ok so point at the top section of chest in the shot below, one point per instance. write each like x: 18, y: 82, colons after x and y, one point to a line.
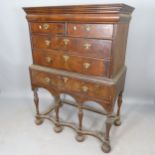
x: 100, y: 30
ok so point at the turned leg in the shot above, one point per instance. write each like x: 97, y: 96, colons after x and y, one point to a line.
x: 106, y: 145
x: 58, y: 127
x: 38, y: 120
x: 119, y: 103
x: 80, y: 137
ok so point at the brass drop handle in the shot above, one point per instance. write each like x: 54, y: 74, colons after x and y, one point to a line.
x: 47, y: 42
x: 40, y: 27
x: 44, y: 26
x: 65, y: 79
x: 88, y: 27
x: 87, y: 46
x: 74, y: 28
x: 48, y: 59
x: 66, y: 41
x: 84, y: 88
x: 47, y: 80
x: 66, y: 58
x: 86, y: 65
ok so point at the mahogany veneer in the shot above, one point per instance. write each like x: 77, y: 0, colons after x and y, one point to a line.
x: 80, y: 50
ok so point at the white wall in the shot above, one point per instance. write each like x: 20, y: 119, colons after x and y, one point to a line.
x: 15, y: 51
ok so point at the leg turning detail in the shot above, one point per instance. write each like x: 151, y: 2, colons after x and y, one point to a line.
x: 119, y: 103
x: 58, y: 128
x: 38, y: 120
x: 80, y: 137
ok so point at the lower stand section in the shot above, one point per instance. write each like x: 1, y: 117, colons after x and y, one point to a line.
x: 104, y: 138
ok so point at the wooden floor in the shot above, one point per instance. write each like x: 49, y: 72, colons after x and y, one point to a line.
x: 20, y: 136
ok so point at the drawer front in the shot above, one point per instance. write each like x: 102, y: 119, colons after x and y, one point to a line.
x: 68, y: 84
x: 52, y: 28
x: 90, y: 30
x: 71, y: 63
x: 79, y: 46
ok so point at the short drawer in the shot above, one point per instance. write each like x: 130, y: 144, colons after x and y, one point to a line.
x: 90, y: 30
x: 70, y: 84
x: 52, y: 28
x: 72, y: 63
x: 83, y: 47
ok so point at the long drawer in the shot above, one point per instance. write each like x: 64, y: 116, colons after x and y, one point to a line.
x: 61, y: 60
x: 79, y: 46
x: 63, y: 83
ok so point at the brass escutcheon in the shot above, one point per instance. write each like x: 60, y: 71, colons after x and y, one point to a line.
x: 65, y: 79
x: 88, y: 27
x: 66, y: 41
x: 47, y: 42
x: 87, y: 46
x: 47, y: 80
x: 85, y: 88
x: 66, y: 58
x: 45, y: 26
x: 49, y: 59
x: 86, y: 65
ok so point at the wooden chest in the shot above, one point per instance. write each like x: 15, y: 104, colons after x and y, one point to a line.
x: 80, y: 51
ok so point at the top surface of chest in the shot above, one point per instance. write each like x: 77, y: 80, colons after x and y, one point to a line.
x: 88, y: 13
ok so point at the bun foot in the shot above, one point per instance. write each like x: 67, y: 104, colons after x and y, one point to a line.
x: 106, y: 148
x: 58, y: 129
x: 117, y: 122
x: 38, y: 121
x: 80, y: 138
